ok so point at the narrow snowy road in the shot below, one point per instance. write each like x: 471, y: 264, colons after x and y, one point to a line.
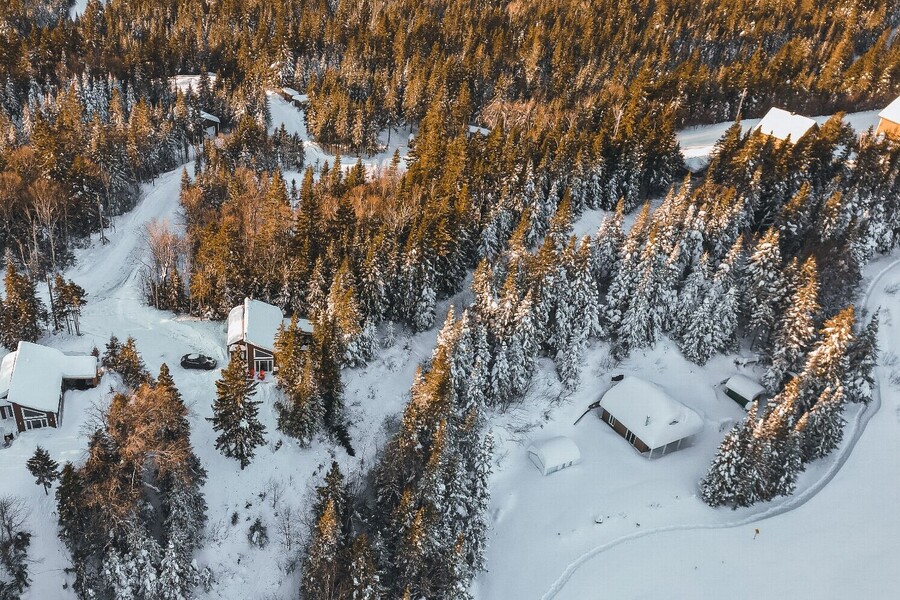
x: 660, y: 566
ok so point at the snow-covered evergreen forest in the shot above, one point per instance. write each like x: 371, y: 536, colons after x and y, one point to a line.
x: 528, y: 210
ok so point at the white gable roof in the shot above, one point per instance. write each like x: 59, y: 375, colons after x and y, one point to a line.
x: 208, y: 117
x: 648, y: 412
x: 36, y: 374
x: 289, y: 92
x: 554, y: 454
x: 781, y: 124
x: 473, y: 129
x: 744, y: 387
x: 891, y: 112
x: 6, y: 371
x: 254, y: 323
x: 300, y: 98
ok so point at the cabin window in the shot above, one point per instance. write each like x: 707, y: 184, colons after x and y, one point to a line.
x: 610, y: 419
x: 36, y: 423
x: 5, y: 412
x: 263, y: 365
x: 630, y: 437
x: 32, y: 414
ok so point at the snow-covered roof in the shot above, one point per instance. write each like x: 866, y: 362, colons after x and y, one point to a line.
x: 891, y: 112
x: 6, y: 371
x: 301, y: 98
x: 303, y: 325
x: 255, y: 323
x: 36, y: 374
x: 744, y: 387
x: 650, y: 413
x: 554, y: 454
x: 208, y: 117
x: 480, y: 130
x: 781, y: 124
x: 289, y: 92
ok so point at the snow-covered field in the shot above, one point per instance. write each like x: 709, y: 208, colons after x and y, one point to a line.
x: 697, y: 142
x: 615, y: 525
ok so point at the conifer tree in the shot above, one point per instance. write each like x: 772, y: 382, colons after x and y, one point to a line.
x: 235, y: 413
x: 22, y: 311
x: 797, y: 328
x: 44, y: 469
x: 732, y: 477
x: 822, y: 428
x: 363, y: 578
x: 862, y: 356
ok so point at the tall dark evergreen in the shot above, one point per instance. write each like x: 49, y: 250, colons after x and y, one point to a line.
x: 235, y: 413
x: 44, y: 469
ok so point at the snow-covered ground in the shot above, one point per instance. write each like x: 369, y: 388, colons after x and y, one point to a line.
x: 615, y: 524
x: 283, y: 112
x: 277, y: 482
x: 697, y: 142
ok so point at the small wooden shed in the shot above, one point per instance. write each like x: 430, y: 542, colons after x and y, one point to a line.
x: 743, y: 390
x: 889, y: 120
x: 554, y: 454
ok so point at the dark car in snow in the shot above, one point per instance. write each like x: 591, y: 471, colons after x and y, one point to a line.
x: 198, y: 361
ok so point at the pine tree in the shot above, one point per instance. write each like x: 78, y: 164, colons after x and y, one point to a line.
x: 732, y: 477
x: 363, y: 578
x: 822, y: 428
x: 44, y: 469
x: 862, y: 356
x: 22, y: 312
x: 235, y: 413
x: 797, y: 328
x: 322, y: 570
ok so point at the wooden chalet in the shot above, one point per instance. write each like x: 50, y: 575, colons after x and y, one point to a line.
x: 648, y: 418
x: 252, y: 328
x: 33, y: 382
x: 784, y: 126
x: 889, y: 120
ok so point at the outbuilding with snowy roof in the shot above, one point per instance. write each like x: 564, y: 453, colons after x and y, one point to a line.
x: 33, y: 380
x: 889, y: 120
x: 647, y: 417
x: 554, y: 454
x: 252, y: 329
x: 783, y: 125
x: 743, y: 390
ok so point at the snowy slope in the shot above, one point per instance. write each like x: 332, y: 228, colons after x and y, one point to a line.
x: 78, y: 8
x: 596, y: 526
x: 545, y: 537
x: 277, y: 482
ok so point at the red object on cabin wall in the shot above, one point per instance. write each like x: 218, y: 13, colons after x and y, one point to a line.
x: 262, y: 375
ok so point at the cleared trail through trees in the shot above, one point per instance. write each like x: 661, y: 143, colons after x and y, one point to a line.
x: 854, y: 431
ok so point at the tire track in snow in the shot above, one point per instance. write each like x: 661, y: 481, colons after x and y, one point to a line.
x: 857, y: 428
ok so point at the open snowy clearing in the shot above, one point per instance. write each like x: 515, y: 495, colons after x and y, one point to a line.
x: 285, y: 113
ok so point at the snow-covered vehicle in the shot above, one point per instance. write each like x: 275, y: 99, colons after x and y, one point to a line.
x: 198, y: 361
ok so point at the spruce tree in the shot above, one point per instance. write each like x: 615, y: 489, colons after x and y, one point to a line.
x: 862, y: 357
x: 44, y: 469
x: 22, y: 311
x: 822, y: 427
x: 732, y: 477
x: 235, y: 413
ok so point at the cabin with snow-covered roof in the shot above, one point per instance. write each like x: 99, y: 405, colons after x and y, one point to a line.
x: 252, y: 329
x: 784, y: 126
x: 33, y: 381
x: 211, y: 123
x: 647, y: 417
x: 889, y: 120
